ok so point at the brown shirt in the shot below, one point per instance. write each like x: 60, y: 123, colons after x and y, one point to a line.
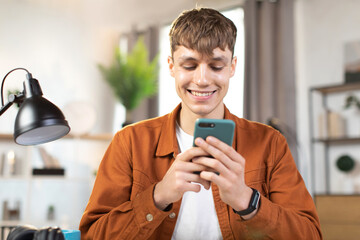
x: 121, y: 205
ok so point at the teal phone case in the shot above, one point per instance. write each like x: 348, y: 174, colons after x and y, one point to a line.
x: 222, y: 129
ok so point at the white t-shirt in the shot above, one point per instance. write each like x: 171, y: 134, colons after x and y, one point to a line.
x: 197, y: 216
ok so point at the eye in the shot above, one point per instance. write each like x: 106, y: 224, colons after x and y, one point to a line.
x: 216, y: 68
x: 190, y: 67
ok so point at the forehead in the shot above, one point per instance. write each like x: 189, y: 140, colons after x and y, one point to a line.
x: 184, y: 53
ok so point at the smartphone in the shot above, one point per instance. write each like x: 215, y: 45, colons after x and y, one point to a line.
x: 222, y: 129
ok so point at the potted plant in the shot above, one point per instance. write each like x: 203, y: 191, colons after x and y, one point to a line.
x: 346, y: 164
x: 351, y: 113
x: 352, y: 100
x: 132, y: 77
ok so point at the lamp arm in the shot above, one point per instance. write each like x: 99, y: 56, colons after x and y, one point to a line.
x: 2, y: 86
x: 5, y: 107
x: 12, y: 99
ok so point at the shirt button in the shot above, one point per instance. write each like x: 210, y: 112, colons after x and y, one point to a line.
x: 149, y: 217
x: 172, y: 215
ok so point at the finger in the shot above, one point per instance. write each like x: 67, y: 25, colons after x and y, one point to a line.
x: 212, y: 177
x: 213, y: 165
x: 194, y: 178
x: 191, y: 167
x: 228, y: 150
x: 206, y: 184
x: 205, y: 168
x: 225, y: 184
x: 191, y: 153
x: 188, y: 186
x: 218, y: 153
x: 195, y: 187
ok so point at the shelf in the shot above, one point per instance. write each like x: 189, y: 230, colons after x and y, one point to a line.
x: 6, y: 137
x: 337, y: 140
x: 10, y: 222
x: 319, y: 101
x: 102, y: 136
x: 15, y: 177
x: 337, y: 88
x: 99, y: 137
x: 28, y: 179
x: 64, y: 179
x: 337, y: 195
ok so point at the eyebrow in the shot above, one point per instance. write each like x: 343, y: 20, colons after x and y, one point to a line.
x: 188, y: 58
x: 221, y: 59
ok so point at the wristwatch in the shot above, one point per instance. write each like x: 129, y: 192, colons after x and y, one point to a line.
x: 253, y: 204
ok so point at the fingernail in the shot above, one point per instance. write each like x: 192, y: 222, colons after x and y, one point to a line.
x: 210, y: 138
x: 198, y: 141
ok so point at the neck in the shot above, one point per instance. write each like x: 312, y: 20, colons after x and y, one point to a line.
x: 187, y: 118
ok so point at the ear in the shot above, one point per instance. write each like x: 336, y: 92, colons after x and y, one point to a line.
x: 233, y: 66
x: 171, y: 66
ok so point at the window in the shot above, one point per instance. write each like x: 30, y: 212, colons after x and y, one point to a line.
x: 168, y: 98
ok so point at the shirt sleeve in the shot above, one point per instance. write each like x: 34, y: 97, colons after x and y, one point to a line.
x: 288, y: 212
x: 112, y: 211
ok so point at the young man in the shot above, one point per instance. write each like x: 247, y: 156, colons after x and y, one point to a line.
x: 147, y: 185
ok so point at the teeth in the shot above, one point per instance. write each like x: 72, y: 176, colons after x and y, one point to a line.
x: 201, y: 94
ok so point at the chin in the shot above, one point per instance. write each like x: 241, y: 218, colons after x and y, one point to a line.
x: 202, y: 111
x: 205, y: 110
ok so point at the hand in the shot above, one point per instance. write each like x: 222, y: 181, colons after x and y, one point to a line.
x: 230, y: 165
x: 180, y: 178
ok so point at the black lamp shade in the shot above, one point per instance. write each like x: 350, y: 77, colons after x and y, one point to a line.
x: 39, y: 121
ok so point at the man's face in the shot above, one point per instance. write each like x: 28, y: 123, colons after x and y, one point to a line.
x: 202, y: 81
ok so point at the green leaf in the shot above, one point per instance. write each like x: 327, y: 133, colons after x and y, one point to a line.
x: 132, y: 77
x: 352, y: 100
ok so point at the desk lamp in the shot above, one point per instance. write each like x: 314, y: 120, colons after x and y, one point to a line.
x: 38, y: 120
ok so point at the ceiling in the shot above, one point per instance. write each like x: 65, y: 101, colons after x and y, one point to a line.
x: 125, y: 14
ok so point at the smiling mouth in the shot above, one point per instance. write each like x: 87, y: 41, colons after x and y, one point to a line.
x: 201, y: 94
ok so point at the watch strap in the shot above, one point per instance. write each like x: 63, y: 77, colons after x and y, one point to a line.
x: 253, y: 204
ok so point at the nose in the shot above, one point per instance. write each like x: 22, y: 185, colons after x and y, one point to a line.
x: 201, y: 75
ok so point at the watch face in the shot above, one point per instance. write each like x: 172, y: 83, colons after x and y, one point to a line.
x: 256, y: 199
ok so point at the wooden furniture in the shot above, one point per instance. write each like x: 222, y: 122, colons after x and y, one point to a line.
x: 339, y: 216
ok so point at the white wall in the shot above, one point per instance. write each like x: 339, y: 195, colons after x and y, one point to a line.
x: 61, y: 49
x: 322, y: 29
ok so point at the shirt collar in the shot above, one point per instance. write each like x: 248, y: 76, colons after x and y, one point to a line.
x: 167, y: 141
x: 228, y: 115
